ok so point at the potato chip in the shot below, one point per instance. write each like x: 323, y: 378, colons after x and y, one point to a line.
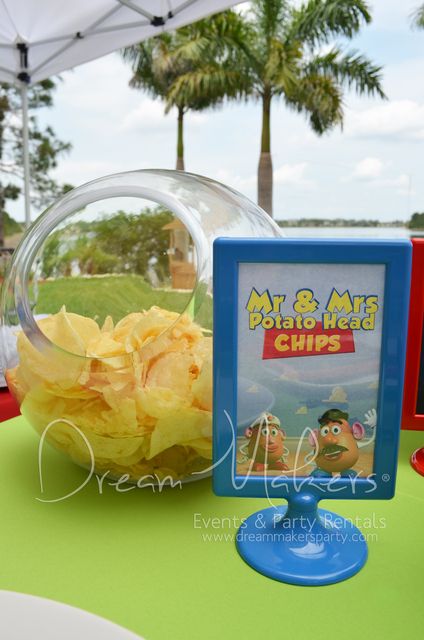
x: 202, y: 446
x: 160, y: 402
x: 172, y: 371
x: 192, y: 424
x: 70, y: 331
x: 104, y: 346
x: 202, y: 386
x: 16, y: 384
x: 108, y: 325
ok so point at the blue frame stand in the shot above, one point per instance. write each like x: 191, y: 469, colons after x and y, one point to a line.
x: 301, y: 544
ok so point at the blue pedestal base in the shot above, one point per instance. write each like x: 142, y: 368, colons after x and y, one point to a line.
x: 301, y: 544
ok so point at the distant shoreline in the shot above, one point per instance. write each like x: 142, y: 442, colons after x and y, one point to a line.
x: 341, y: 222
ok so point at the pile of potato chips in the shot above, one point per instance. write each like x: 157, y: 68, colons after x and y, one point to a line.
x: 135, y: 397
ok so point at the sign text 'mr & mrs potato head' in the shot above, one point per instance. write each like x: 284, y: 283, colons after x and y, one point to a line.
x: 302, y: 333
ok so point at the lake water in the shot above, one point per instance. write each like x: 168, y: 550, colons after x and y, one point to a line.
x: 349, y: 232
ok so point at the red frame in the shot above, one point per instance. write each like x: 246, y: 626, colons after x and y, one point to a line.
x: 410, y: 419
x: 8, y: 406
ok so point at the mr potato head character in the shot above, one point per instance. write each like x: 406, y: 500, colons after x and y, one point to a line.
x: 337, y: 443
x: 266, y: 444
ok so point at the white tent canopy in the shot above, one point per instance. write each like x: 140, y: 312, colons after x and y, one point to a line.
x: 45, y: 37
x: 40, y: 38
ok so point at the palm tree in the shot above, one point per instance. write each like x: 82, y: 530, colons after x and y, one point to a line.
x: 277, y: 51
x: 418, y: 17
x: 156, y: 68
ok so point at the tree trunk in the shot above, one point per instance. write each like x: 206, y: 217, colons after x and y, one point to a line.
x: 265, y: 160
x: 180, y: 140
x: 181, y: 236
x: 2, y: 204
x: 2, y: 198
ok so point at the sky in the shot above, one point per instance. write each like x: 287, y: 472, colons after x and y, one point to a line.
x: 371, y: 169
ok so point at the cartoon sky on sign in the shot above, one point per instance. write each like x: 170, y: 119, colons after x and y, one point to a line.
x: 306, y: 385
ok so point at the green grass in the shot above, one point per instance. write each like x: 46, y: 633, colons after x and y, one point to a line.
x: 116, y: 296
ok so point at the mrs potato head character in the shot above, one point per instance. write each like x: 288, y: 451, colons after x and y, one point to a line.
x: 265, y: 448
x: 336, y: 442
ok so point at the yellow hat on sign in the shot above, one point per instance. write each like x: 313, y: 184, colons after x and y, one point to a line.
x: 266, y: 419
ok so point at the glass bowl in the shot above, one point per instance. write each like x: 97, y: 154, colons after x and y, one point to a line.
x: 106, y: 321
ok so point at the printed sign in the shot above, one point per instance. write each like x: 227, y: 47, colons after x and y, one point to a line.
x: 302, y: 330
x: 324, y: 409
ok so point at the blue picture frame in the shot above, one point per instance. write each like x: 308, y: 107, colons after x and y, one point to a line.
x: 228, y: 255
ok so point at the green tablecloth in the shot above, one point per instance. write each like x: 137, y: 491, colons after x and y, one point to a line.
x: 144, y: 560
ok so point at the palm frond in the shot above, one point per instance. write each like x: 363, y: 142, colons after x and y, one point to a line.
x: 318, y: 21
x: 283, y: 64
x: 206, y: 87
x: 270, y: 16
x: 320, y: 99
x: 226, y: 35
x: 418, y: 17
x: 350, y: 69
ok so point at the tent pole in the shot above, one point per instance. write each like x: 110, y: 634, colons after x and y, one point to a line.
x: 25, y: 148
